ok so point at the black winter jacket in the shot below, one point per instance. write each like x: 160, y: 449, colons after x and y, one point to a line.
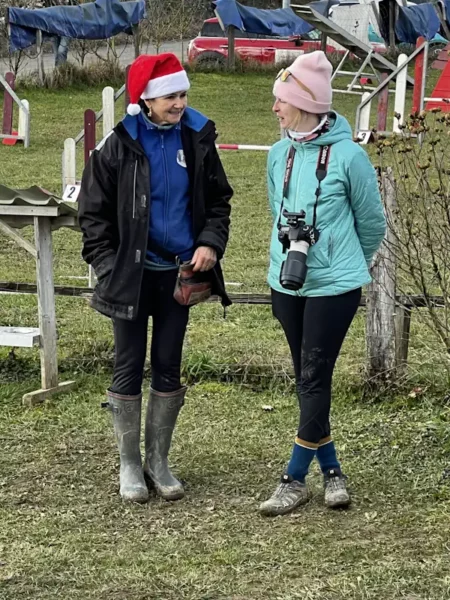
x: 114, y: 214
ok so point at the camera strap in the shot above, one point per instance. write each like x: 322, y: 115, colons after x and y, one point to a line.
x: 321, y: 172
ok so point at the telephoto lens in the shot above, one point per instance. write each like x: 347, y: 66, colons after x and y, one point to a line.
x: 294, y: 269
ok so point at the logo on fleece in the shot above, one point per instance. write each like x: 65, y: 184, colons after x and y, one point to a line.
x: 180, y: 158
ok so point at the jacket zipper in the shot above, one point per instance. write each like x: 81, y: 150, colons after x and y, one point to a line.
x: 131, y: 309
x: 134, y: 189
x: 166, y: 203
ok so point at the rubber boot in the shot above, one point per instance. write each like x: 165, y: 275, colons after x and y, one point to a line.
x: 126, y: 411
x: 162, y: 413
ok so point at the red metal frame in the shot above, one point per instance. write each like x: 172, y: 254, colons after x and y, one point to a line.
x: 418, y: 77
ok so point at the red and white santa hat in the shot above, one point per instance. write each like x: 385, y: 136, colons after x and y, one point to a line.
x: 152, y: 76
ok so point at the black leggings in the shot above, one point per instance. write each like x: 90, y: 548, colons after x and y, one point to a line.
x: 315, y: 329
x: 170, y: 320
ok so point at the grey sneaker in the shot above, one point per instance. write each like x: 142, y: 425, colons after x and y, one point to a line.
x: 288, y: 495
x: 336, y: 493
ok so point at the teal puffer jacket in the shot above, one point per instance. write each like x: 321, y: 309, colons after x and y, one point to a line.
x: 350, y: 215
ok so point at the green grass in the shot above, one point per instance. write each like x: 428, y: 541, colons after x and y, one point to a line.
x: 241, y: 108
x: 64, y: 532
x: 248, y: 342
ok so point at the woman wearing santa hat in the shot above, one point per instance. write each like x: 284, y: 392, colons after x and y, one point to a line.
x: 153, y: 195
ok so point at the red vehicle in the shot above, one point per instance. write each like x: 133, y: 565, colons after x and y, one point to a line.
x: 211, y: 46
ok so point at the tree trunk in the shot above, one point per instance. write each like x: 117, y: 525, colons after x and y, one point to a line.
x: 380, y: 317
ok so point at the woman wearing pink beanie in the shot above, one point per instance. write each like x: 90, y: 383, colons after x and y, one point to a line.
x: 328, y: 222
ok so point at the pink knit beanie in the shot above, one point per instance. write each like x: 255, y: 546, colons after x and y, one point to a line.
x: 309, y: 86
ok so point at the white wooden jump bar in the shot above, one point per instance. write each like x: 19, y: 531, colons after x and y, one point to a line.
x: 29, y: 210
x: 19, y: 138
x: 23, y: 337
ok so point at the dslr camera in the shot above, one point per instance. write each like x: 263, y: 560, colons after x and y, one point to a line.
x: 296, y: 238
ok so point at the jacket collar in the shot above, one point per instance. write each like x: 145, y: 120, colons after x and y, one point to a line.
x: 192, y: 119
x: 128, y: 134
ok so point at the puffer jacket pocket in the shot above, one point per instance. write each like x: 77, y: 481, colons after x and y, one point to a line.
x: 319, y: 255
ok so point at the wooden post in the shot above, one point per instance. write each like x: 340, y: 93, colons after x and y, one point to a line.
x: 127, y: 94
x: 400, y: 94
x: 108, y: 110
x: 24, y: 121
x: 324, y: 37
x: 380, y: 316
x: 8, y: 105
x: 231, y: 57
x: 89, y: 146
x: 402, y: 329
x: 69, y: 163
x: 89, y: 133
x: 136, y: 40
x: 47, y: 316
x: 383, y: 105
x: 40, y: 57
x: 364, y: 119
x: 46, y: 302
x: 392, y: 10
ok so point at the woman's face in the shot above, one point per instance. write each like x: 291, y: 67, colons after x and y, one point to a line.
x: 288, y: 115
x: 168, y: 110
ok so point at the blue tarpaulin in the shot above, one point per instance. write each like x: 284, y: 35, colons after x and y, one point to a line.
x: 97, y: 20
x: 412, y: 22
x: 280, y: 21
x: 415, y: 21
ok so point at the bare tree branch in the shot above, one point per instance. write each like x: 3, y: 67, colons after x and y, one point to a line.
x: 421, y: 225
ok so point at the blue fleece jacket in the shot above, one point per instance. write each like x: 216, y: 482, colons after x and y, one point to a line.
x: 170, y: 223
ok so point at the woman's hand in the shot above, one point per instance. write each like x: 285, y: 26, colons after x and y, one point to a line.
x: 204, y: 258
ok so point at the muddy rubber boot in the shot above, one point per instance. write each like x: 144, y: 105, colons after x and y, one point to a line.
x: 162, y: 413
x: 126, y: 411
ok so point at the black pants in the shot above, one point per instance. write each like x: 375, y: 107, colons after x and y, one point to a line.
x: 170, y: 320
x: 315, y: 329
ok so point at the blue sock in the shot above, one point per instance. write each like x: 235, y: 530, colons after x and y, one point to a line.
x: 326, y: 455
x: 301, y: 458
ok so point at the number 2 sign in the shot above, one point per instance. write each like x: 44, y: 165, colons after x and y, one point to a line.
x: 71, y: 193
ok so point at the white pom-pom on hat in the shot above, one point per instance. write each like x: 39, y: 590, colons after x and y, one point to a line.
x: 133, y: 109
